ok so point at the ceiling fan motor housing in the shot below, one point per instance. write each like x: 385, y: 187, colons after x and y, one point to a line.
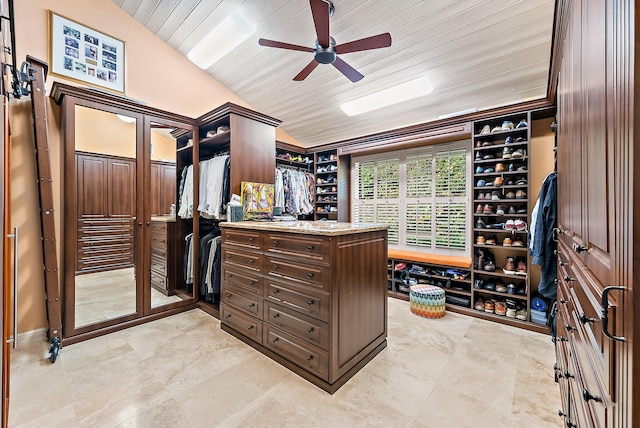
x: 325, y: 55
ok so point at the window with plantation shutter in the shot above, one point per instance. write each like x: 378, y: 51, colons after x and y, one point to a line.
x: 420, y: 193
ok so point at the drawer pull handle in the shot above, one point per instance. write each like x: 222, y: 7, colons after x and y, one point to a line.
x: 250, y: 327
x: 276, y: 315
x: 567, y: 278
x: 586, y: 395
x: 252, y: 283
x: 563, y: 264
x: 310, y: 329
x: 228, y: 316
x: 275, y: 291
x: 274, y: 267
x: 251, y: 305
x: 571, y: 424
x: 310, y: 357
x: 579, y: 248
x: 275, y: 243
x: 310, y: 275
x: 568, y: 375
x: 564, y: 302
x: 250, y: 239
x: 561, y: 414
x: 228, y: 296
x: 585, y: 319
x: 251, y: 261
x: 228, y: 276
x: 569, y: 328
x: 310, y: 302
x: 275, y: 339
x: 228, y: 256
x: 605, y: 312
x: 309, y: 247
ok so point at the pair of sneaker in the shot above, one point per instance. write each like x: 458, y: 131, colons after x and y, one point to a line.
x: 516, y: 224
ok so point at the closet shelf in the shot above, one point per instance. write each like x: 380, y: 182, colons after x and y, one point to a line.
x: 506, y: 132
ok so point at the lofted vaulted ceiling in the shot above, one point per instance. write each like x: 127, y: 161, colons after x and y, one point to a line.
x: 477, y: 54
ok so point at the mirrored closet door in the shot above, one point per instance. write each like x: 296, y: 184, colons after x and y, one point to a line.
x: 124, y: 247
x: 103, y: 284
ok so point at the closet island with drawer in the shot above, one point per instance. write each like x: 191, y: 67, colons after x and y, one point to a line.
x: 311, y: 295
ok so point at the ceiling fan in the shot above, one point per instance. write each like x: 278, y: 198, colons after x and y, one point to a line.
x: 326, y: 51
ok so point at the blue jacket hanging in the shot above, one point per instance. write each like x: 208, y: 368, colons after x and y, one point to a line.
x: 543, y: 248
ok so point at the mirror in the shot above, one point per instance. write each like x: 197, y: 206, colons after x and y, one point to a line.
x: 106, y: 175
x: 165, y: 245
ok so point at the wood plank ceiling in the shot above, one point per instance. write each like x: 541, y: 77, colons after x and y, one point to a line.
x: 476, y: 53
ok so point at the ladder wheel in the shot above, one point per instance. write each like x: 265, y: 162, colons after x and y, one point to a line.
x: 54, y: 349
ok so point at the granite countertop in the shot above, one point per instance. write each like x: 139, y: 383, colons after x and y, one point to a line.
x: 325, y: 228
x: 165, y: 218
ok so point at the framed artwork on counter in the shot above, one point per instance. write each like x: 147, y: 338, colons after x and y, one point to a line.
x: 80, y: 53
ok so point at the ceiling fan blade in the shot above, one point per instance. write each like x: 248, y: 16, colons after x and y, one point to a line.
x: 306, y: 71
x: 351, y: 73
x: 373, y: 42
x: 282, y: 45
x: 320, y: 12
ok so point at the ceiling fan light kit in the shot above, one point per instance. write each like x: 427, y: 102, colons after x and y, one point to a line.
x: 325, y: 50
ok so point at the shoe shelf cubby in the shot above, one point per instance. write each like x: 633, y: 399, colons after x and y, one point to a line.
x: 500, y: 276
x: 326, y: 172
x: 294, y: 159
x: 402, y: 274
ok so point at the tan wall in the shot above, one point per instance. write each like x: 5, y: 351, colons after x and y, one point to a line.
x: 542, y: 164
x: 164, y: 147
x: 102, y: 132
x: 156, y: 75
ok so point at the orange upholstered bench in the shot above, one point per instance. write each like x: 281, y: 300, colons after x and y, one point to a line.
x: 449, y: 261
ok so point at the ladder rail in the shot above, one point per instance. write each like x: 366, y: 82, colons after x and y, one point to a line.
x: 37, y: 70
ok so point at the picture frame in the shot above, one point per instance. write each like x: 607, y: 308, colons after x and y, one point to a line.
x: 85, y: 55
x: 257, y: 200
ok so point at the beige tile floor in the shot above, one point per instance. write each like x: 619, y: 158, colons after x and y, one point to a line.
x: 105, y: 295
x: 184, y: 371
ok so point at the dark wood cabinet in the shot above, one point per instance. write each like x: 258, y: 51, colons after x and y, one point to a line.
x: 597, y: 214
x: 105, y: 206
x: 314, y: 303
x: 163, y: 187
x: 163, y: 255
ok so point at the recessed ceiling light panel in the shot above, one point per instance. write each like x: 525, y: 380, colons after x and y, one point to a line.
x: 396, y: 94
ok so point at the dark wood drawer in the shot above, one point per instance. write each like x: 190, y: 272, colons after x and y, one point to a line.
x: 244, y: 279
x: 304, y: 327
x: 309, y: 357
x: 158, y: 264
x: 104, y: 250
x: 105, y: 222
x: 104, y: 233
x: 242, y: 260
x: 241, y: 300
x: 158, y: 241
x: 242, y: 323
x: 159, y: 227
x: 305, y: 274
x: 158, y: 280
x: 242, y: 238
x: 301, y: 299
x: 589, y: 376
x: 98, y: 241
x: 300, y: 246
x: 104, y: 263
x: 159, y: 252
x: 580, y: 411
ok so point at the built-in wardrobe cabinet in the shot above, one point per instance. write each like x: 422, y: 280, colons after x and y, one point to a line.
x: 105, y: 211
x: 248, y: 139
x: 598, y: 205
x: 119, y: 181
